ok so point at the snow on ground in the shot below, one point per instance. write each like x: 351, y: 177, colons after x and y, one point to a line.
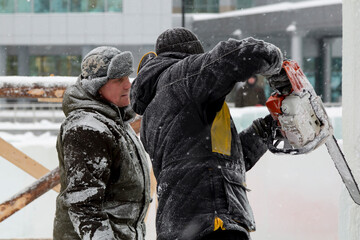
x: 293, y: 197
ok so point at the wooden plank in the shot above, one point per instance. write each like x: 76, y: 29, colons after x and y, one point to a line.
x: 23, y: 198
x: 22, y: 161
x: 49, y: 99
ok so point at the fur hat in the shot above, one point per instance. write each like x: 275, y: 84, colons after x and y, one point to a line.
x: 178, y: 40
x: 104, y: 63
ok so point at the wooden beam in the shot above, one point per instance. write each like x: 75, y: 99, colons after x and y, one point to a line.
x: 59, y: 100
x: 23, y: 161
x: 26, y: 196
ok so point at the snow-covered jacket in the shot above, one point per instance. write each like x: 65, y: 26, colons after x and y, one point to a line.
x: 198, y: 157
x: 105, y: 186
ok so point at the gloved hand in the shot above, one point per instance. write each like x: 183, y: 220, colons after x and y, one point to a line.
x: 273, y: 59
x: 263, y: 126
x: 280, y: 82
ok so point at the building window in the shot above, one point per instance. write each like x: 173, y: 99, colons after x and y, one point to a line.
x: 11, y: 65
x: 23, y: 6
x: 55, y: 65
x: 314, y: 72
x: 6, y: 6
x: 77, y: 6
x: 336, y: 79
x: 41, y: 6
x: 240, y: 4
x: 201, y: 6
x: 96, y: 6
x: 60, y: 6
x: 114, y: 6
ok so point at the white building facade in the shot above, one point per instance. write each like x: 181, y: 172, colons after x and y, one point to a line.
x: 43, y: 37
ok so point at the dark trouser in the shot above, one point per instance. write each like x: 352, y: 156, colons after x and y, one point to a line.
x: 226, y: 235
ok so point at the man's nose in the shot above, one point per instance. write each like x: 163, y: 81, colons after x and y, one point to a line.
x: 127, y: 83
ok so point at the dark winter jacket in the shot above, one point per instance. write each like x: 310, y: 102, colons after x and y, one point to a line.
x: 198, y: 157
x: 103, y: 171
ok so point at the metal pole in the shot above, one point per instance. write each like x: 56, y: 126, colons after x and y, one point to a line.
x: 327, y: 69
x: 183, y: 13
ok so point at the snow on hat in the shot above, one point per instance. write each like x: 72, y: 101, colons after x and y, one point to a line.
x: 178, y: 40
x: 104, y: 63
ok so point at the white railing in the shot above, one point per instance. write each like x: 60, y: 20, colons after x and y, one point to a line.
x: 26, y: 112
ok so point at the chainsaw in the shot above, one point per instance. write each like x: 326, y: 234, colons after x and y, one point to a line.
x: 302, y: 125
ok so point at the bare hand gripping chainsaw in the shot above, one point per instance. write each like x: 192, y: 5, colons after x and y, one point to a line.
x: 304, y: 125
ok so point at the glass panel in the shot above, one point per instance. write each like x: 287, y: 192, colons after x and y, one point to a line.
x: 6, y: 6
x: 114, y: 5
x: 41, y: 6
x: 244, y: 4
x: 96, y: 5
x: 24, y: 6
x: 55, y: 65
x: 59, y: 5
x: 336, y: 79
x: 70, y: 66
x: 309, y: 69
x: 38, y: 66
x: 201, y: 6
x: 11, y: 65
x: 75, y: 6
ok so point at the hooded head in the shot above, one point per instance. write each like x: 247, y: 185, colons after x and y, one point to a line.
x: 104, y: 63
x: 178, y: 40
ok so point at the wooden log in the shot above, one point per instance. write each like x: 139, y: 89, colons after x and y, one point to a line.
x: 34, y: 87
x: 23, y: 161
x: 26, y: 196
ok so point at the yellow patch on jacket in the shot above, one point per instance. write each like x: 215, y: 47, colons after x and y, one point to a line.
x: 221, y: 132
x: 218, y: 223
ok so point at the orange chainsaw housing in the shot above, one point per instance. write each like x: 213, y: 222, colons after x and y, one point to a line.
x: 295, y: 74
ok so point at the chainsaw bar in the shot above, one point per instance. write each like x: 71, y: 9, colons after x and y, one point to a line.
x: 303, y: 90
x: 343, y: 168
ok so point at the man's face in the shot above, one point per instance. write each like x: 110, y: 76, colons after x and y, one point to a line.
x: 117, y: 91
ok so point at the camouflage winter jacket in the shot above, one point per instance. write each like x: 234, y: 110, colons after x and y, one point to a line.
x: 103, y: 171
x: 199, y: 159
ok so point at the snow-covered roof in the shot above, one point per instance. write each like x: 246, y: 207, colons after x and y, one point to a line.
x: 279, y: 7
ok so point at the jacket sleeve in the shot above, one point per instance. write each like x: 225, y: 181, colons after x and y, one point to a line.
x: 87, y: 160
x: 215, y: 73
x: 253, y: 147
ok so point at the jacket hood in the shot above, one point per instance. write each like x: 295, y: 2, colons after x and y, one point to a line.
x: 76, y: 98
x: 144, y: 87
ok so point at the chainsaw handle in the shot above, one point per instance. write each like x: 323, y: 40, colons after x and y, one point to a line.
x: 273, y: 147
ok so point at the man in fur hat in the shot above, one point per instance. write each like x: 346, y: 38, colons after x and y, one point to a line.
x: 105, y: 186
